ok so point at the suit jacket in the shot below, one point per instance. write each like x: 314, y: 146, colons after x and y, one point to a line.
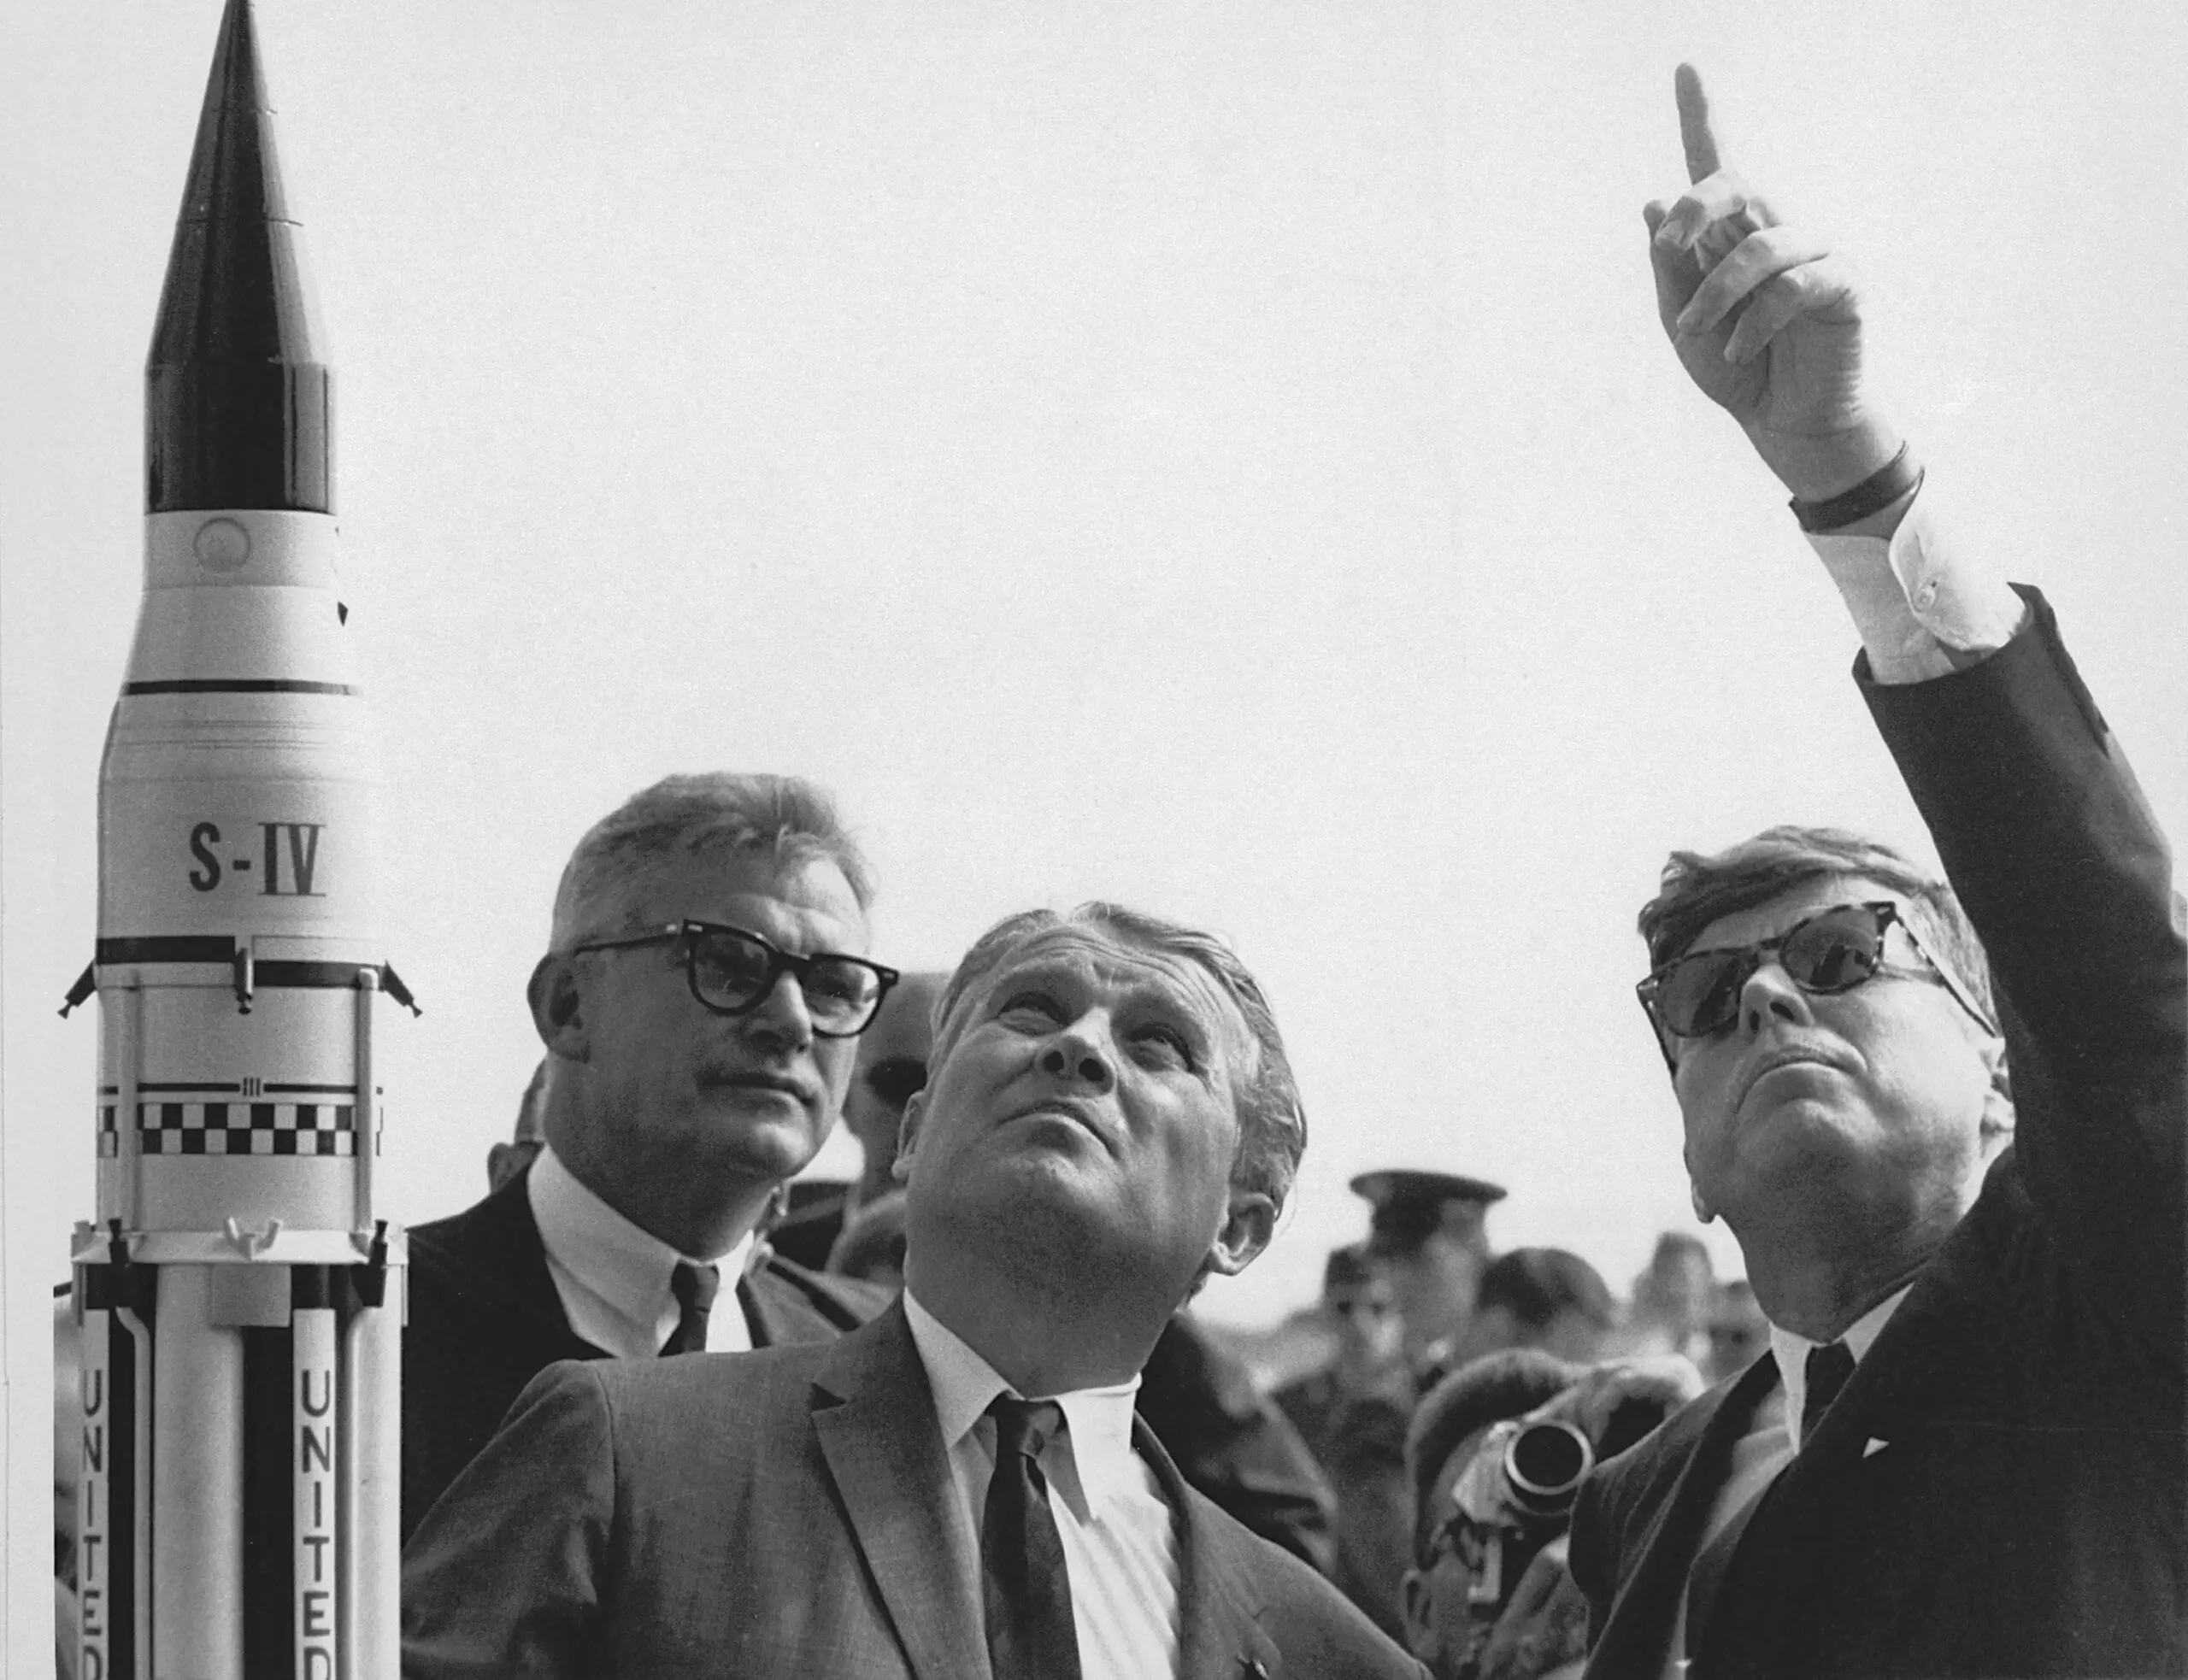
x: 2000, y: 1489
x: 1233, y: 1445
x: 485, y: 1319
x: 788, y: 1512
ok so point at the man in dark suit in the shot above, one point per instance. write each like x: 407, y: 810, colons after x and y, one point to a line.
x: 700, y: 1006
x: 1964, y: 1453
x: 959, y: 1487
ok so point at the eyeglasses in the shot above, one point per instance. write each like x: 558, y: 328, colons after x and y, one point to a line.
x: 732, y: 971
x: 1697, y: 996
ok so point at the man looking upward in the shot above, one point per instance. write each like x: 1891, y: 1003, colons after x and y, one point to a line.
x: 1110, y: 1120
x: 1966, y: 1456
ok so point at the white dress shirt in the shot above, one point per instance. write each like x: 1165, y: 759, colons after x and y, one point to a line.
x: 1923, y: 610
x: 1115, y: 1524
x: 613, y: 1276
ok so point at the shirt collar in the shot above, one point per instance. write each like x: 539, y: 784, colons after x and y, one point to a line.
x: 626, y: 1266
x: 1097, y: 1422
x: 1792, y: 1352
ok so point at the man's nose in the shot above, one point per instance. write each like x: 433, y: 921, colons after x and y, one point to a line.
x: 1770, y: 995
x: 781, y: 1016
x: 1077, y: 1055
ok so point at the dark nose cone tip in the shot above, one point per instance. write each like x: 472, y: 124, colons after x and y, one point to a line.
x: 238, y: 407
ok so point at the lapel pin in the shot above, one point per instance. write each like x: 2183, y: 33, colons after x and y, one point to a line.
x: 1874, y: 1446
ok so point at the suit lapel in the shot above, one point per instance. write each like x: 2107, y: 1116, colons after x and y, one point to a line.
x: 1637, y: 1635
x: 1783, y: 1563
x: 501, y: 1260
x: 1220, y: 1606
x: 779, y: 1313
x: 874, y: 1416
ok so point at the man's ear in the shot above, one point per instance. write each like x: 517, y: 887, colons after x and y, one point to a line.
x: 1249, y: 1222
x: 907, y: 1138
x: 1997, y: 1122
x: 557, y: 1014
x: 1413, y: 1606
x: 1702, y: 1210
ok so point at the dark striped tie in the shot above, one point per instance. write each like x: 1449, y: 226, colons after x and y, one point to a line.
x: 694, y: 1288
x: 1828, y: 1367
x: 1024, y: 1586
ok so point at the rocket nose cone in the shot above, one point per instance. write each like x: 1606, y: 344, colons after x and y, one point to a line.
x: 237, y: 404
x: 233, y: 172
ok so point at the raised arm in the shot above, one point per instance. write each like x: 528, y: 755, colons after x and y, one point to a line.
x: 2041, y: 827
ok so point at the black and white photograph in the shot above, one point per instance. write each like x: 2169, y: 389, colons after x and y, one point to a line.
x: 1207, y: 840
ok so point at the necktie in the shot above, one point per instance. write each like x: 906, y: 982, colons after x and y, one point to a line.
x: 1826, y: 1370
x: 1024, y: 1586
x: 694, y: 1288
x: 1828, y: 1367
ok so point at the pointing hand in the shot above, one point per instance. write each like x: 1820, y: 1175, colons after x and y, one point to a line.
x: 1765, y: 318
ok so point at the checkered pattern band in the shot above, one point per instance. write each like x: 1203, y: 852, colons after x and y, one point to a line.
x: 237, y: 1129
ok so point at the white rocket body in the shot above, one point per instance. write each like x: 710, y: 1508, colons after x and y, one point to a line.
x: 240, y: 1294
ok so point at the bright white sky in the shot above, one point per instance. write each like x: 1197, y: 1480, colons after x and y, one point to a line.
x: 1220, y: 457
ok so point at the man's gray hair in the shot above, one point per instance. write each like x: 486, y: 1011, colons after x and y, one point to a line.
x: 1271, y: 1122
x: 605, y: 883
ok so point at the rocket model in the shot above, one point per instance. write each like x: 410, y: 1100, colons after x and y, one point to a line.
x: 240, y: 1297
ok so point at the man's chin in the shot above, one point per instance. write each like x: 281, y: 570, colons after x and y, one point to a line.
x: 771, y: 1136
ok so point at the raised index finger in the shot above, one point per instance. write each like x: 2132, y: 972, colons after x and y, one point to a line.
x: 1694, y: 124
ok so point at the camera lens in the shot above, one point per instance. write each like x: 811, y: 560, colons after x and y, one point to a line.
x: 1544, y: 1466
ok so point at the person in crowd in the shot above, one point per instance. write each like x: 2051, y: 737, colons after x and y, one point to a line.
x: 1368, y: 1357
x: 1545, y: 1298
x: 871, y: 1247
x: 866, y: 1229
x: 705, y: 986
x: 1442, y: 1625
x: 1960, y: 1203
x: 1475, y: 1606
x: 1672, y: 1299
x: 1110, y: 1120
x: 891, y: 1068
x: 1738, y: 1333
x: 1429, y: 1235
x: 508, y: 1159
x: 1365, y: 1463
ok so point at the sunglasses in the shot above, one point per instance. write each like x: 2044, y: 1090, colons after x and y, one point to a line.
x: 731, y: 970
x: 1697, y: 996
x: 897, y: 1080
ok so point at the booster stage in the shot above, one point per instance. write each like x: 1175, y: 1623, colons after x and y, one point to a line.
x: 240, y: 1297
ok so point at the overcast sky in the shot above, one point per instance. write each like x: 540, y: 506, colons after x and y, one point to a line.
x: 1217, y: 456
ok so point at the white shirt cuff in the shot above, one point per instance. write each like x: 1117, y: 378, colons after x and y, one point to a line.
x: 1922, y: 609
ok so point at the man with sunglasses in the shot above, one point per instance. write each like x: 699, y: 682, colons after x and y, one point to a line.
x: 1961, y: 1204
x: 700, y: 1004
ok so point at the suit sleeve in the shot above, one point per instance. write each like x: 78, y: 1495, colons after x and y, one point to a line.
x: 1589, y: 1547
x: 506, y: 1573
x: 2062, y: 868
